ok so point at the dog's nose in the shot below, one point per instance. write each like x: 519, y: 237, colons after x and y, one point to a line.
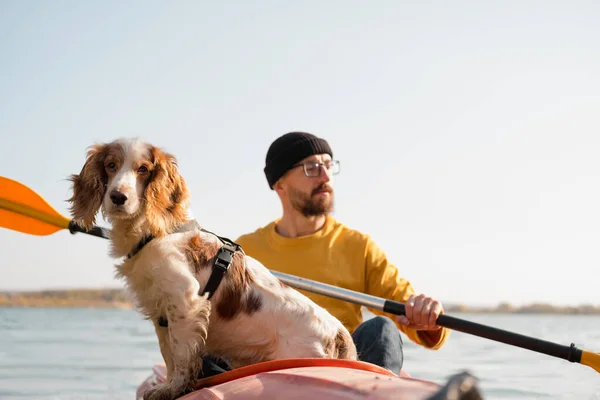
x: 118, y: 198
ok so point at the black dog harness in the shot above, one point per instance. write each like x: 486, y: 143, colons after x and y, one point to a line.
x: 221, y: 264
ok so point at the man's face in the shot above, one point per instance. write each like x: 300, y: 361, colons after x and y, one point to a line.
x: 307, y: 185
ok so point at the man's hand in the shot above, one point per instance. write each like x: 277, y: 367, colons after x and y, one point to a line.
x: 421, y: 313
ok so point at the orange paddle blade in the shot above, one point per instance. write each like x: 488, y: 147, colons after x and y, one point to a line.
x: 591, y: 360
x: 23, y: 210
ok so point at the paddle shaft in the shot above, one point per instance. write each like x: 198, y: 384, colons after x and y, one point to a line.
x: 569, y: 353
x: 95, y: 231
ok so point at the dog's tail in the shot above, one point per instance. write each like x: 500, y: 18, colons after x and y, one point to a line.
x: 344, y: 347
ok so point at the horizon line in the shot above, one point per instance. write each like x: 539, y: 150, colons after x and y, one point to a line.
x: 448, y: 304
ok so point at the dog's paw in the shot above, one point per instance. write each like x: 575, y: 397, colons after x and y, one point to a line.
x: 160, y: 392
x: 166, y: 391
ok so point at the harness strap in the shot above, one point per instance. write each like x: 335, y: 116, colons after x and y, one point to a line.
x: 187, y: 226
x: 221, y: 264
x: 140, y: 245
x: 220, y: 267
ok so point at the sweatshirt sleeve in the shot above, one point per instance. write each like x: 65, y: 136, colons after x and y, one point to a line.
x: 383, y: 280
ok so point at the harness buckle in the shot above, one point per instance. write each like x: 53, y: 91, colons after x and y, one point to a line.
x: 223, y: 259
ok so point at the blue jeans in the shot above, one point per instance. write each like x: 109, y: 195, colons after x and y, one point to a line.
x: 378, y: 342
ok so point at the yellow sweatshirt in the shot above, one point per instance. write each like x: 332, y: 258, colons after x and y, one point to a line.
x: 343, y: 257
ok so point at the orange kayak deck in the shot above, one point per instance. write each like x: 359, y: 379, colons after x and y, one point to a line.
x: 295, y: 379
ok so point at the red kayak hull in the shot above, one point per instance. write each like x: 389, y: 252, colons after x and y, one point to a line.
x: 313, y: 379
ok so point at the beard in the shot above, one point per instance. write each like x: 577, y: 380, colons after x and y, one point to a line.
x: 309, y: 204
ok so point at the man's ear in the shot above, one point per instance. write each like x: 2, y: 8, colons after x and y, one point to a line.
x: 279, y: 186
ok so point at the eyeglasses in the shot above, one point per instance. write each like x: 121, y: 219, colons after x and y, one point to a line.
x: 312, y: 169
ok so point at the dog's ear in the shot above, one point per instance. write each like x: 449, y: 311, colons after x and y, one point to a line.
x: 89, y: 187
x: 166, y: 195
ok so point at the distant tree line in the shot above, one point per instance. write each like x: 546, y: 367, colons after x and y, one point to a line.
x: 533, y: 308
x: 67, y: 298
x: 120, y: 298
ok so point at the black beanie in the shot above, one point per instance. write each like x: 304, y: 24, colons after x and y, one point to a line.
x: 290, y: 148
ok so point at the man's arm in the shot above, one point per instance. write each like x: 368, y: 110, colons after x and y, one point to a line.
x: 383, y: 280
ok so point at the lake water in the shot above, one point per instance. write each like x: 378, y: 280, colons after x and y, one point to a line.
x: 94, y: 354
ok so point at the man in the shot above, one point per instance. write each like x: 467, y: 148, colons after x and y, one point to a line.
x: 308, y: 242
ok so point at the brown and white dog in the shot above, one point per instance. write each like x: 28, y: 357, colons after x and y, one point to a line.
x: 251, y: 317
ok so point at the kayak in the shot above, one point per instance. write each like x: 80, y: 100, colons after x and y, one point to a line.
x: 316, y: 379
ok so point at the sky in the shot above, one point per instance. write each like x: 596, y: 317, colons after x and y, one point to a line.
x: 468, y: 135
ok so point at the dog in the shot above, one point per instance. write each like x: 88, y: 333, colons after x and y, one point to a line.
x: 247, y: 317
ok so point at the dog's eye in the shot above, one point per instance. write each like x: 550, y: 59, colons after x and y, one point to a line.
x: 111, y: 166
x: 142, y: 170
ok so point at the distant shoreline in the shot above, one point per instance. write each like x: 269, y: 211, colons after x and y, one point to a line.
x: 70, y: 298
x: 118, y: 298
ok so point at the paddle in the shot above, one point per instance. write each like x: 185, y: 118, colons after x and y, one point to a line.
x: 23, y: 210
x: 569, y: 353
